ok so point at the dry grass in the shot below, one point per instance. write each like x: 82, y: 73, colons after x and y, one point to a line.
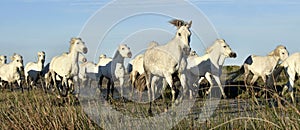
x: 37, y: 110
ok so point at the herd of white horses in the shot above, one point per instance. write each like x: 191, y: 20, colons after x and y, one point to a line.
x: 159, y: 64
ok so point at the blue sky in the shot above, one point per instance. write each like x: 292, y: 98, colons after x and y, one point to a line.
x: 248, y: 26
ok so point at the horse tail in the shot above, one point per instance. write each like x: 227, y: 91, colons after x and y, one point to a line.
x: 274, y: 75
x: 235, y: 74
x: 241, y: 71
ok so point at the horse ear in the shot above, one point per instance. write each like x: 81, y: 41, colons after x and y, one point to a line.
x: 190, y: 24
x: 72, y: 40
x: 12, y: 58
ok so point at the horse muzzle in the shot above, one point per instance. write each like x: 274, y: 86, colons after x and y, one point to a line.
x: 232, y: 55
x: 21, y: 68
x: 187, y: 50
x: 85, y: 50
x: 129, y: 55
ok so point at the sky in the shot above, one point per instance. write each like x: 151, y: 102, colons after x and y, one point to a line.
x: 248, y: 26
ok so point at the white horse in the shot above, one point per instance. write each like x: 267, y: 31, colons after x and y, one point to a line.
x: 115, y: 70
x: 11, y: 72
x: 47, y: 76
x: 137, y: 68
x: 66, y: 65
x: 137, y: 78
x: 168, y: 59
x: 89, y: 71
x: 261, y: 65
x: 291, y: 66
x: 3, y: 59
x: 103, y: 60
x: 32, y: 69
x: 209, y: 65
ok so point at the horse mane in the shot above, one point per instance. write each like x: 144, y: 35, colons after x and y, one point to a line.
x: 275, y: 52
x: 209, y: 49
x: 176, y: 22
x: 152, y: 44
x: 72, y: 41
x: 118, y: 52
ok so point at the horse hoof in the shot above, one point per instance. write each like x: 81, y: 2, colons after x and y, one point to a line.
x: 150, y: 112
x: 207, y: 92
x: 166, y: 110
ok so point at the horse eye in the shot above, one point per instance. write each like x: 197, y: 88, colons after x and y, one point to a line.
x: 17, y: 60
x: 224, y: 46
x: 77, y: 42
x: 123, y: 48
x: 179, y: 34
x: 283, y: 53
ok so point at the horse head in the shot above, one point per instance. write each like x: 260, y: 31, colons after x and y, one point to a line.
x: 183, y: 33
x: 281, y: 52
x: 78, y: 45
x: 3, y: 59
x: 17, y: 60
x: 41, y: 56
x: 124, y: 51
x: 224, y: 48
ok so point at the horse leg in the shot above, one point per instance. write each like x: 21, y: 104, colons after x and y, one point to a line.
x: 290, y: 84
x: 170, y: 82
x: 199, y: 82
x: 53, y: 75
x: 217, y: 79
x: 148, y: 77
x: 264, y: 78
x: 211, y: 84
x: 19, y: 83
x: 100, y: 82
x: 246, y: 76
x: 27, y: 82
x: 75, y: 87
x: 11, y: 86
x: 183, y: 82
x: 133, y: 78
x: 162, y: 93
x: 107, y: 87
x: 154, y: 84
x: 253, y: 80
x: 121, y: 87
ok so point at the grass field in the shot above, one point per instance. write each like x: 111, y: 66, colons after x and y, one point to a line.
x: 38, y: 110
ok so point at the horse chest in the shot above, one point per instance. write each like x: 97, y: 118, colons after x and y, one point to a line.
x: 119, y: 71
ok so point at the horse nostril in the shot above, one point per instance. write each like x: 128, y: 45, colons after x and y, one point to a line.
x: 84, y: 60
x: 129, y: 54
x: 85, y: 50
x: 233, y: 55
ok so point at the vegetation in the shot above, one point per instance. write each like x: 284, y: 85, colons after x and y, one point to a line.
x: 38, y: 110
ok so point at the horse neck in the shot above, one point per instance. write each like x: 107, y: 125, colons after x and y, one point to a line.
x: 216, y: 58
x: 275, y: 59
x: 40, y: 64
x: 175, y: 46
x: 73, y: 55
x: 12, y: 67
x: 118, y: 58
